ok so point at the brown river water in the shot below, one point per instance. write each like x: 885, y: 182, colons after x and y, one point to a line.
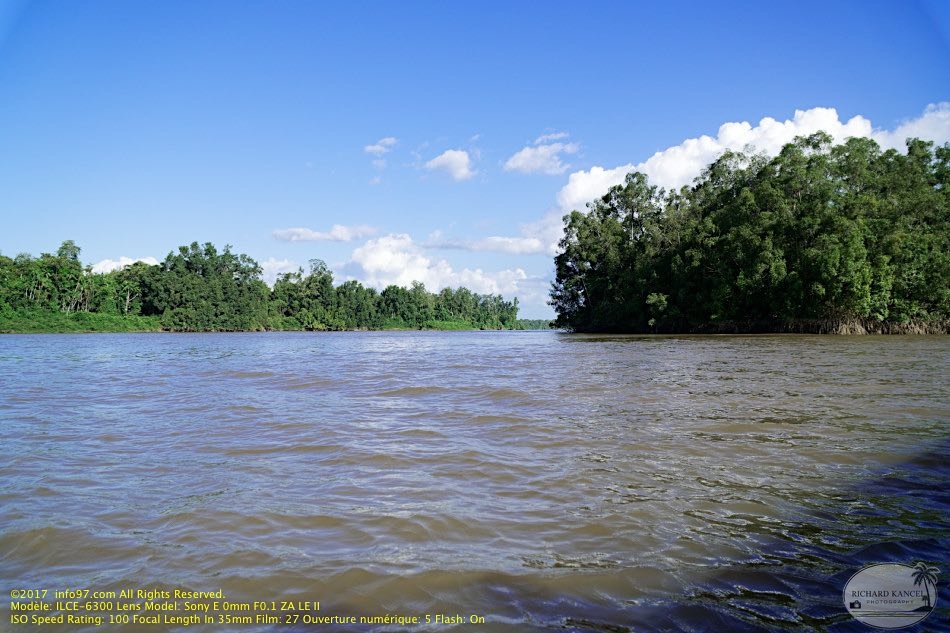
x: 539, y: 480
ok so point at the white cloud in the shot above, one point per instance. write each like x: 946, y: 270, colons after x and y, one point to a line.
x: 932, y: 125
x: 679, y: 165
x: 108, y: 265
x: 547, y: 138
x: 549, y: 230
x: 544, y: 159
x: 540, y: 237
x: 584, y: 186
x: 396, y: 259
x: 544, y: 156
x: 495, y: 244
x: 375, y: 180
x: 533, y: 296
x: 455, y: 161
x: 273, y: 267
x: 512, y: 245
x: 382, y: 146
x: 337, y: 233
x: 379, y: 163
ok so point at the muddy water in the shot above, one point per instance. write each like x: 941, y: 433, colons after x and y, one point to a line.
x: 539, y: 480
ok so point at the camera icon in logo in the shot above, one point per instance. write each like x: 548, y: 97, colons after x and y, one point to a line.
x: 855, y: 604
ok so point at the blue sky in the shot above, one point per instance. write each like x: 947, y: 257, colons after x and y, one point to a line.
x: 437, y: 141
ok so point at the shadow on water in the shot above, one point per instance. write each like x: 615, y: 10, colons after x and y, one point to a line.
x: 903, y: 519
x: 899, y: 516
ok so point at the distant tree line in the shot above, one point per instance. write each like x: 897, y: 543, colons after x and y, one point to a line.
x: 199, y: 289
x: 533, y: 324
x: 818, y: 237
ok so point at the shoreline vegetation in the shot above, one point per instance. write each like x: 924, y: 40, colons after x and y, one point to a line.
x: 33, y: 322
x: 823, y: 238
x: 199, y: 289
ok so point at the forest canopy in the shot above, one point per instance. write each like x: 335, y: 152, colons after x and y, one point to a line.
x: 201, y: 289
x: 821, y: 237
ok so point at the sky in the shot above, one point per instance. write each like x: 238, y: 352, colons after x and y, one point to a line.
x: 432, y: 141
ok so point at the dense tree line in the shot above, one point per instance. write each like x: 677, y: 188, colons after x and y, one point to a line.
x: 199, y: 288
x: 819, y: 237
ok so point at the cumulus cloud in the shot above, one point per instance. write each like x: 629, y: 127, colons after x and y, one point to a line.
x: 382, y: 146
x: 584, y: 186
x: 544, y: 157
x: 454, y: 161
x: 397, y: 259
x: 679, y: 165
x: 273, y: 267
x: 337, y: 233
x: 932, y: 125
x: 108, y: 265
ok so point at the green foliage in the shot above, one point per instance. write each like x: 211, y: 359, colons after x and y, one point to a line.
x: 198, y: 289
x: 533, y: 324
x: 820, y: 232
x: 29, y: 321
x: 448, y: 325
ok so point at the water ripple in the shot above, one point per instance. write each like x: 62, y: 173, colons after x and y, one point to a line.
x: 581, y: 483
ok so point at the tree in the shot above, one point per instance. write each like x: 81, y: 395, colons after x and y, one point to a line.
x: 927, y: 576
x: 817, y: 233
x: 199, y: 288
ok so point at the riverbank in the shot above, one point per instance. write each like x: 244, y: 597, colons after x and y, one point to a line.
x: 841, y: 327
x: 37, y: 322
x: 828, y: 326
x: 33, y: 322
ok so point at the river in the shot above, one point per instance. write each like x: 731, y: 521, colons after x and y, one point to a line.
x: 539, y: 480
